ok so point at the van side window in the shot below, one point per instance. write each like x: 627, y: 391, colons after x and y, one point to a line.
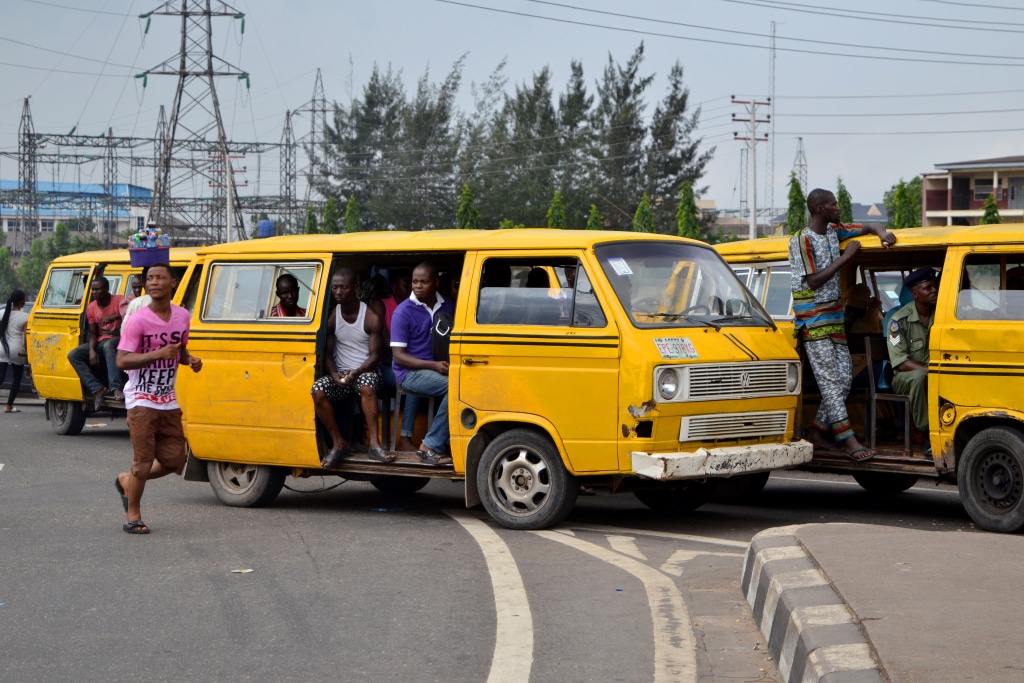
x: 992, y: 288
x: 770, y: 284
x: 247, y: 291
x: 552, y: 292
x: 65, y: 288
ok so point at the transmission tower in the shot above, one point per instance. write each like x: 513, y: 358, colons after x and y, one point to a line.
x: 110, y: 187
x: 195, y: 112
x: 28, y: 209
x: 800, y: 165
x: 288, y: 173
x: 769, y: 173
x: 317, y: 109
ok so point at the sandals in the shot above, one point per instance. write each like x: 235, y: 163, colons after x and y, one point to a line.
x: 379, y: 455
x: 334, y: 455
x: 858, y: 454
x: 124, y: 498
x: 12, y: 409
x: 135, y: 526
x: 430, y: 457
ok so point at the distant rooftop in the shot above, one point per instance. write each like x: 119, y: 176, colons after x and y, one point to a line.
x: 998, y: 162
x: 79, y: 189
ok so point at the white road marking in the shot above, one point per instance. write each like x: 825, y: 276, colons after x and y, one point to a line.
x: 809, y: 480
x: 674, y: 564
x: 513, y: 642
x: 625, y: 545
x: 659, y: 534
x: 675, y: 656
x: 1, y: 465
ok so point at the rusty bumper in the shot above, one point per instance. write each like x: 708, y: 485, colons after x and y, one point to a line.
x: 721, y: 462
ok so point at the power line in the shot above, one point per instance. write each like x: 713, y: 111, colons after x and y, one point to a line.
x: 946, y: 95
x: 761, y: 35
x: 63, y: 71
x: 923, y: 113
x: 77, y: 9
x: 974, y: 6
x: 64, y: 54
x: 905, y: 132
x: 725, y: 42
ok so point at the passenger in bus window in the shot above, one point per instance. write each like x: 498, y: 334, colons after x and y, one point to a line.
x: 104, y: 321
x: 354, y: 335
x: 288, y: 298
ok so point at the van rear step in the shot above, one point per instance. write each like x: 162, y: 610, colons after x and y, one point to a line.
x: 888, y: 460
x: 405, y: 463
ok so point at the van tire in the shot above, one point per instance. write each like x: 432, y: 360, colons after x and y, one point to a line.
x: 398, y: 486
x: 741, y: 489
x: 66, y: 417
x: 885, y: 483
x: 245, y: 486
x: 523, y: 483
x: 679, y: 497
x: 990, y: 477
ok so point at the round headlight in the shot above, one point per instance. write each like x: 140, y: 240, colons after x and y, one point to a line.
x: 792, y: 378
x: 668, y: 383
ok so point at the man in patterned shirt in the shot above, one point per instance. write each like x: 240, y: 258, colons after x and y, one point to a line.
x: 818, y: 309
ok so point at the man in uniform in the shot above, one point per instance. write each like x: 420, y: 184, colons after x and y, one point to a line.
x: 908, y: 344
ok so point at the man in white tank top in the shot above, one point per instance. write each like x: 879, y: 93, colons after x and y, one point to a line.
x: 354, y: 335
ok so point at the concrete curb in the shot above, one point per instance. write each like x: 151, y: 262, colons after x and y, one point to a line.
x: 810, y: 631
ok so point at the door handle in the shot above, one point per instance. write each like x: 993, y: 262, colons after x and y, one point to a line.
x: 473, y: 361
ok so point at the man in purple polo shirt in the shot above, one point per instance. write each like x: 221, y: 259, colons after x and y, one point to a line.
x: 414, y: 364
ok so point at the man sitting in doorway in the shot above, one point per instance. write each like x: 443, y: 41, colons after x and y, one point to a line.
x: 354, y: 333
x: 288, y: 298
x: 104, y: 319
x: 908, y: 333
x: 414, y: 364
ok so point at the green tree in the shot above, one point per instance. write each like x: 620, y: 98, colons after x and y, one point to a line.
x: 643, y: 220
x: 332, y: 225
x: 903, y: 204
x: 844, y: 201
x: 991, y: 216
x: 8, y: 276
x: 795, y: 217
x: 556, y: 212
x: 32, y: 268
x: 353, y: 223
x: 688, y: 215
x: 311, y: 226
x: 509, y: 224
x: 467, y: 216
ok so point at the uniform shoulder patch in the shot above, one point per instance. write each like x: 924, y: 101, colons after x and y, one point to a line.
x: 894, y: 327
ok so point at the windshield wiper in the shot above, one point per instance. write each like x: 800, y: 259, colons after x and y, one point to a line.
x: 672, y: 317
x: 733, y: 318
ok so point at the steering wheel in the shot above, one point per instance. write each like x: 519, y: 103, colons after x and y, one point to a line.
x: 698, y: 309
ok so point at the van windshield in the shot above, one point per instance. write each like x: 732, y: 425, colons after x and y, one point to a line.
x: 670, y: 284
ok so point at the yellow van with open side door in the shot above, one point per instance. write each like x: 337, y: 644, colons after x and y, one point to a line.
x: 644, y: 368
x: 57, y: 324
x: 975, y: 369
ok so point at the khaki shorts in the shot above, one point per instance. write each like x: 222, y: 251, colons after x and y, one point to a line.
x: 156, y: 434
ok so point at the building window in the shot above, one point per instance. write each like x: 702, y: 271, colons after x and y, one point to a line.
x: 982, y: 189
x: 46, y: 225
x: 140, y: 222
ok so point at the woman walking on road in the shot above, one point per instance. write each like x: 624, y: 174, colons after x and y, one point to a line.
x: 12, y: 344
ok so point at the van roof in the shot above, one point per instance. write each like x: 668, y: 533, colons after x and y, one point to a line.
x: 180, y: 255
x: 436, y: 240
x: 777, y: 248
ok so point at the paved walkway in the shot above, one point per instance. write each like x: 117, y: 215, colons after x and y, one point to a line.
x: 857, y: 602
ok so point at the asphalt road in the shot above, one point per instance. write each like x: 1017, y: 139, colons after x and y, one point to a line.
x: 348, y: 584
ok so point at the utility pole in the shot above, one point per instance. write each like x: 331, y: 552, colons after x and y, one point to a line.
x: 800, y: 166
x: 744, y: 172
x: 769, y: 171
x: 752, y: 138
x: 195, y: 109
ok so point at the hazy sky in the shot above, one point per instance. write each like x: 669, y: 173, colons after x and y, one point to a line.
x: 940, y: 83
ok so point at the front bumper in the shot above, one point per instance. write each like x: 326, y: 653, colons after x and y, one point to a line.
x: 721, y: 462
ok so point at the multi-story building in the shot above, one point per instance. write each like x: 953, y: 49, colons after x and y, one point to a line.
x: 955, y: 195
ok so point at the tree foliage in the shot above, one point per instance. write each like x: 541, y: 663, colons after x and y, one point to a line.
x: 9, y: 280
x: 32, y: 266
x: 556, y: 212
x: 844, y: 201
x: 643, y: 220
x: 401, y: 151
x: 468, y: 216
x: 332, y: 219
x: 903, y: 204
x: 687, y: 214
x: 991, y: 216
x: 311, y: 223
x: 796, y: 219
x: 353, y: 220
x: 595, y: 221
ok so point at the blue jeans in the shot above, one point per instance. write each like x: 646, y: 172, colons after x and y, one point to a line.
x: 107, y: 350
x: 412, y: 403
x: 432, y: 384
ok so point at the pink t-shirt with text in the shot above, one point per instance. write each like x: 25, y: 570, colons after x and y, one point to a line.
x: 153, y: 385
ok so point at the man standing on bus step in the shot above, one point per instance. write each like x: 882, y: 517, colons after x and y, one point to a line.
x: 153, y: 343
x: 103, y: 315
x: 818, y: 310
x: 414, y: 364
x: 907, y: 337
x: 354, y: 335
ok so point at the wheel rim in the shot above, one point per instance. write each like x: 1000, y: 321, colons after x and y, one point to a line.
x: 60, y: 412
x: 236, y: 478
x: 520, y: 480
x: 1000, y: 480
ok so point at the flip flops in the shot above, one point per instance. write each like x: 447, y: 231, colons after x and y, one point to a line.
x: 135, y: 526
x: 11, y: 409
x: 120, y: 491
x: 858, y: 454
x: 334, y: 455
x: 379, y: 455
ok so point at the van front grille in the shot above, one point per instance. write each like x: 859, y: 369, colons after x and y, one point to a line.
x: 733, y: 426
x: 734, y: 380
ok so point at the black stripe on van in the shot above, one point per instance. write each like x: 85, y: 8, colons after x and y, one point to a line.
x: 514, y: 342
x: 530, y: 336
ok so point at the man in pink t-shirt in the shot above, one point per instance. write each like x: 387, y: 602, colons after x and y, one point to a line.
x: 153, y: 343
x: 104, y: 319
